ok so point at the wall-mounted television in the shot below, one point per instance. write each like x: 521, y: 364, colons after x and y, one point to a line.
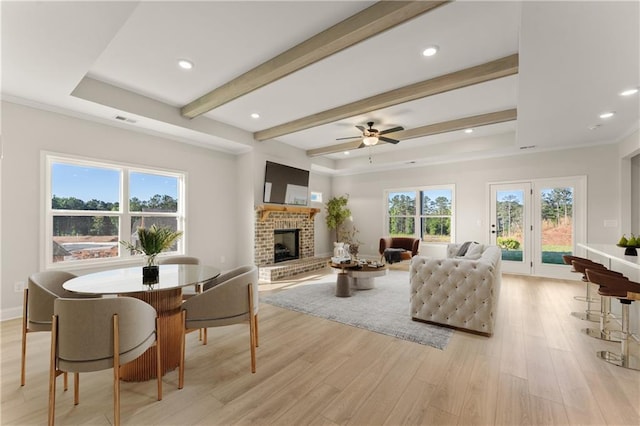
x: 285, y: 185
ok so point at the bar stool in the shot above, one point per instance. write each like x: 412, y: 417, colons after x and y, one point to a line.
x: 579, y: 265
x: 615, y: 286
x: 604, y: 332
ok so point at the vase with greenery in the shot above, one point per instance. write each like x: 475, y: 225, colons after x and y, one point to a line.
x: 151, y: 242
x: 337, y: 213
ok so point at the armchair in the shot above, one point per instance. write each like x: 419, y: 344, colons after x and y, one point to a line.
x: 396, y: 249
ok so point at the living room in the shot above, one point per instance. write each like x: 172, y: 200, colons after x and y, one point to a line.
x: 224, y: 184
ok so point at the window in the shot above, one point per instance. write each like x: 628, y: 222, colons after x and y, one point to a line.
x: 316, y: 197
x: 426, y: 213
x: 86, y: 215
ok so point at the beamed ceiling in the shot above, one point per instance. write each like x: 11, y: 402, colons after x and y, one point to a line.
x: 520, y: 74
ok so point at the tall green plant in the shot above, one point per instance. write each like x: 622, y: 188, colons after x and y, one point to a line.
x: 337, y: 212
x: 153, y: 241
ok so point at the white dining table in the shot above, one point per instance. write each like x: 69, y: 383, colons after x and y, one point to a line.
x: 165, y: 296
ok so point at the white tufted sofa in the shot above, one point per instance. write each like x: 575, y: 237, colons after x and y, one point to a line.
x: 457, y: 292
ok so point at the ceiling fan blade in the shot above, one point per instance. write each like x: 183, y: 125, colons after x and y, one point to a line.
x: 389, y: 140
x: 350, y: 137
x: 361, y: 128
x: 394, y: 129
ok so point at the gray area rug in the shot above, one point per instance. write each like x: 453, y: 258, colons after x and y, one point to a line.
x: 384, y: 309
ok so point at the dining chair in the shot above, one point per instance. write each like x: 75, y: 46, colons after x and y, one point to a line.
x: 184, y: 260
x: 231, y: 298
x: 37, y: 307
x: 98, y: 334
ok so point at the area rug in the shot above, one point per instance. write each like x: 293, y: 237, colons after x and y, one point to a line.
x: 384, y: 309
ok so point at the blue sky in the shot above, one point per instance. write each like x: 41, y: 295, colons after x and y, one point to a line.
x: 87, y: 183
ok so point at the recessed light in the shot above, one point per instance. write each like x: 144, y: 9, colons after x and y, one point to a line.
x: 468, y: 130
x: 608, y: 114
x: 255, y: 115
x: 629, y: 92
x: 185, y: 64
x: 430, y: 51
x: 347, y: 153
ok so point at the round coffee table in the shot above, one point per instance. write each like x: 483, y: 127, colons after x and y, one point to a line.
x: 356, y: 276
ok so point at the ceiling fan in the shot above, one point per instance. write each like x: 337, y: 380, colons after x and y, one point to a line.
x: 371, y: 136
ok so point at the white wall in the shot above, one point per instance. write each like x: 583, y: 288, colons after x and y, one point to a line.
x: 212, y: 190
x: 600, y: 165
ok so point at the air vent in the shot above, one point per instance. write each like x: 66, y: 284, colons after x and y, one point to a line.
x: 528, y: 147
x: 125, y: 119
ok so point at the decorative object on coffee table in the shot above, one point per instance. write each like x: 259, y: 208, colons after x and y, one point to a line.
x: 151, y: 242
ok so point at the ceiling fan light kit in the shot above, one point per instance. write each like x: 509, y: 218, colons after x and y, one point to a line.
x: 371, y: 136
x: 370, y: 140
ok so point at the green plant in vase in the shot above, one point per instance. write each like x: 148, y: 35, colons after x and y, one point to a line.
x: 151, y: 242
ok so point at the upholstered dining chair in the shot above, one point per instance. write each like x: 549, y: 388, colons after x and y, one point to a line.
x: 37, y: 308
x: 183, y: 260
x: 98, y: 334
x: 231, y: 298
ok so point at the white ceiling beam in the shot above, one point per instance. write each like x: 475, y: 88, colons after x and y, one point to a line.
x: 361, y: 26
x: 478, y: 74
x: 431, y: 129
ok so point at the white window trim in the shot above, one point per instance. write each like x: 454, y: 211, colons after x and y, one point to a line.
x: 46, y: 212
x: 418, y: 216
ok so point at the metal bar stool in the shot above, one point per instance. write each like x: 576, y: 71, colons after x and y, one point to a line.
x: 618, y: 287
x: 579, y: 265
x: 604, y: 332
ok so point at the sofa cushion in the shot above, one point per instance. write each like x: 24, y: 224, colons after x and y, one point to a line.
x: 474, y: 251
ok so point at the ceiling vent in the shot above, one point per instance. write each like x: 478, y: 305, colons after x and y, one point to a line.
x: 125, y: 119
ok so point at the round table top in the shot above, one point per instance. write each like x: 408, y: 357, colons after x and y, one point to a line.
x: 358, y: 266
x: 129, y: 280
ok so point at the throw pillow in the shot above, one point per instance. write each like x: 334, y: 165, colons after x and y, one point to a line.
x: 474, y: 251
x: 463, y: 249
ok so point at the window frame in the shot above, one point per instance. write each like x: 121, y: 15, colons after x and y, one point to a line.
x: 418, y: 216
x: 124, y: 214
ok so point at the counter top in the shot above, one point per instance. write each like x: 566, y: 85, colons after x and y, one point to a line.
x: 613, y: 252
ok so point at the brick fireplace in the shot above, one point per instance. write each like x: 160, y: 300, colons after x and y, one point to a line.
x: 271, y: 219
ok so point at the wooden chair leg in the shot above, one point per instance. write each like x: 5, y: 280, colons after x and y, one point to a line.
x: 255, y: 325
x: 23, y: 365
x: 52, y: 370
x: 76, y: 388
x: 116, y: 371
x: 65, y: 380
x: 252, y: 330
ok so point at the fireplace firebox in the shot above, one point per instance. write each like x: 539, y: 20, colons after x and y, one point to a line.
x: 286, y: 244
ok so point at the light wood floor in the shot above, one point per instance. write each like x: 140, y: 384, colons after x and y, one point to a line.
x: 537, y: 369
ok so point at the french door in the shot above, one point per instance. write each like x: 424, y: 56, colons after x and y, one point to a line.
x: 535, y: 223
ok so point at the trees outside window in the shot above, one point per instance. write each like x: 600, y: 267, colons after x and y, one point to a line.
x: 431, y: 208
x: 85, y: 213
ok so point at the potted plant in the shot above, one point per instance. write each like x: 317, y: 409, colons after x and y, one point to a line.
x: 151, y: 242
x: 337, y: 213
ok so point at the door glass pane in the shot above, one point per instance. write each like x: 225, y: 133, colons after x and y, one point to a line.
x: 509, y: 224
x: 557, y: 224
